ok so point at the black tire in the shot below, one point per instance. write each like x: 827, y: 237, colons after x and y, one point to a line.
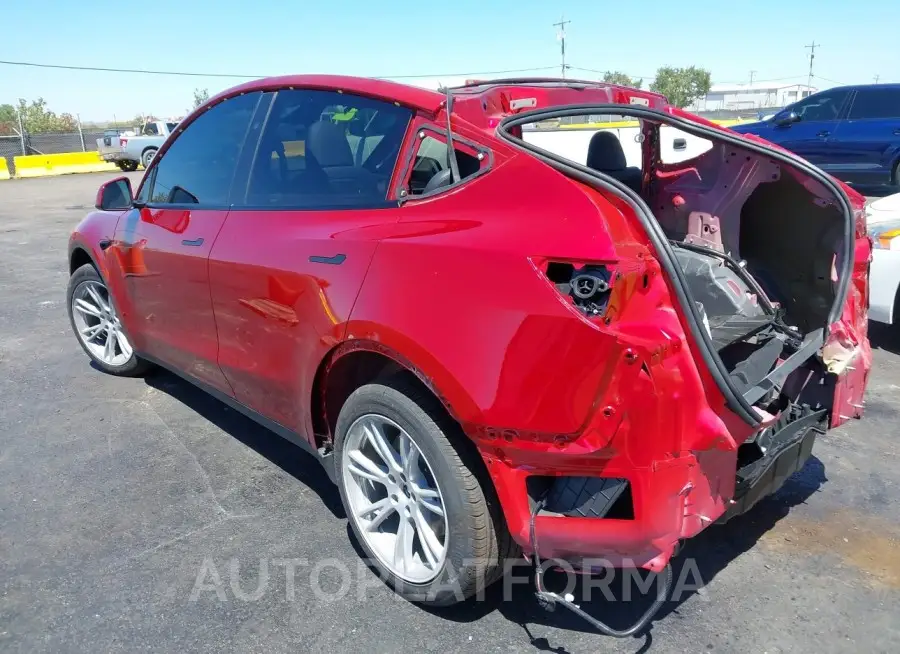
x: 478, y: 542
x: 895, y: 177
x: 147, y: 157
x: 134, y: 366
x: 127, y: 166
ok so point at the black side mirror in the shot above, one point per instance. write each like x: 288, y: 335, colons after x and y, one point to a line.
x: 115, y: 195
x: 786, y: 118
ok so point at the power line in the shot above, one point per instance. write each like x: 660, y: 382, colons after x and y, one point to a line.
x: 127, y: 70
x: 603, y: 72
x: 142, y: 71
x: 833, y: 81
x: 483, y: 72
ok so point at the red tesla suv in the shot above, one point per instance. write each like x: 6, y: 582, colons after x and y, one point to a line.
x: 494, y: 349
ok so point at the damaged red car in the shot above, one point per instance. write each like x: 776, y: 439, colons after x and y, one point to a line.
x: 494, y: 349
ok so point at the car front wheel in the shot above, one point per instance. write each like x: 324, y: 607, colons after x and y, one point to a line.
x: 96, y: 324
x: 409, y: 482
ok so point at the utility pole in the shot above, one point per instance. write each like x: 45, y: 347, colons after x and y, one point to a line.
x: 812, y: 55
x: 876, y: 78
x: 561, y: 35
x: 752, y: 74
x: 21, y: 131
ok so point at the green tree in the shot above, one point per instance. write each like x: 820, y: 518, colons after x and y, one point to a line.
x: 200, y: 97
x: 615, y: 77
x: 681, y: 85
x: 37, y: 119
x: 9, y: 122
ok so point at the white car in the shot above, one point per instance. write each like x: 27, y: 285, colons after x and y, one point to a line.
x: 883, y: 220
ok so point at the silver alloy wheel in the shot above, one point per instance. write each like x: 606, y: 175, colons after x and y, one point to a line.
x: 97, y: 324
x: 394, y: 498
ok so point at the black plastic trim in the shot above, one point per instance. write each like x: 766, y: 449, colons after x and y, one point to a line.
x: 324, y: 458
x: 735, y: 401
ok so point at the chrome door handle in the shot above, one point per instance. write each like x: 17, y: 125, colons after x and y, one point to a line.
x: 197, y: 242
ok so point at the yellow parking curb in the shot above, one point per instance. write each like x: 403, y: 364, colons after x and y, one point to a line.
x: 4, y: 170
x: 43, y: 165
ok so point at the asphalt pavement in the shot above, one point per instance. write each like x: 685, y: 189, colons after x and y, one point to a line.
x: 142, y: 515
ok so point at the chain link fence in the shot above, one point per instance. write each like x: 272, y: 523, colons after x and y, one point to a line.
x: 17, y: 137
x: 23, y: 143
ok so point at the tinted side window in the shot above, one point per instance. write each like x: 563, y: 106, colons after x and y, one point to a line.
x: 876, y: 103
x: 821, y: 106
x: 326, y: 149
x: 199, y: 166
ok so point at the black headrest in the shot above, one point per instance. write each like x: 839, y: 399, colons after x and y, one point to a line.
x: 605, y: 152
x: 440, y: 179
x: 328, y: 144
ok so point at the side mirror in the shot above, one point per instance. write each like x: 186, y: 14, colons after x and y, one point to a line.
x: 786, y: 118
x: 115, y: 195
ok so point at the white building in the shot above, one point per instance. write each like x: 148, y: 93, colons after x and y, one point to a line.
x: 751, y: 96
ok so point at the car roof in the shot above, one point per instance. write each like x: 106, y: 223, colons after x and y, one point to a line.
x: 857, y: 87
x: 410, y: 96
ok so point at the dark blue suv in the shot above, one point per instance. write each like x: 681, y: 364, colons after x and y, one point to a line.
x: 852, y: 132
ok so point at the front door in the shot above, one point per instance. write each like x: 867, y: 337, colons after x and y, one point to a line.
x: 162, y: 246
x: 293, y: 253
x: 818, y: 118
x: 163, y: 255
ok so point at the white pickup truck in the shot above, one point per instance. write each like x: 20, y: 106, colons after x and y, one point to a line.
x: 129, y: 151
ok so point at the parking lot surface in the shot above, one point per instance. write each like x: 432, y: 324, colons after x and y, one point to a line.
x: 142, y: 515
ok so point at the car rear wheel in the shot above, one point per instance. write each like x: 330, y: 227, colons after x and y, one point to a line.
x: 409, y: 482
x: 147, y: 157
x: 127, y: 166
x: 895, y: 177
x: 96, y: 324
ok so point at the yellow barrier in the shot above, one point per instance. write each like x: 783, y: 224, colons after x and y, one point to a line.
x: 4, y: 170
x: 41, y: 165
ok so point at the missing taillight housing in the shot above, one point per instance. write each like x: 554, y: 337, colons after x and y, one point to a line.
x: 586, y: 285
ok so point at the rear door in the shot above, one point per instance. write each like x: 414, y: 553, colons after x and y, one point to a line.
x: 162, y: 247
x: 308, y: 208
x: 819, y: 116
x: 866, y: 145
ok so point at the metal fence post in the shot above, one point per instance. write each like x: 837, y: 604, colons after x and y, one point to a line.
x: 80, y: 133
x: 21, y: 132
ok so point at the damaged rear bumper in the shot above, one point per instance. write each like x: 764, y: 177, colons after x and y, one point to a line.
x: 599, y: 515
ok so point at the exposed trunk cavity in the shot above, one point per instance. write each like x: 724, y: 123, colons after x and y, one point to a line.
x: 760, y: 246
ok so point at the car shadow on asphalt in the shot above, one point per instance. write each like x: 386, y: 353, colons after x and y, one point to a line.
x: 292, y: 459
x: 622, y: 600
x: 619, y: 601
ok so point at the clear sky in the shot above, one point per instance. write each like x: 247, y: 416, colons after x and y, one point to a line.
x: 390, y: 39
